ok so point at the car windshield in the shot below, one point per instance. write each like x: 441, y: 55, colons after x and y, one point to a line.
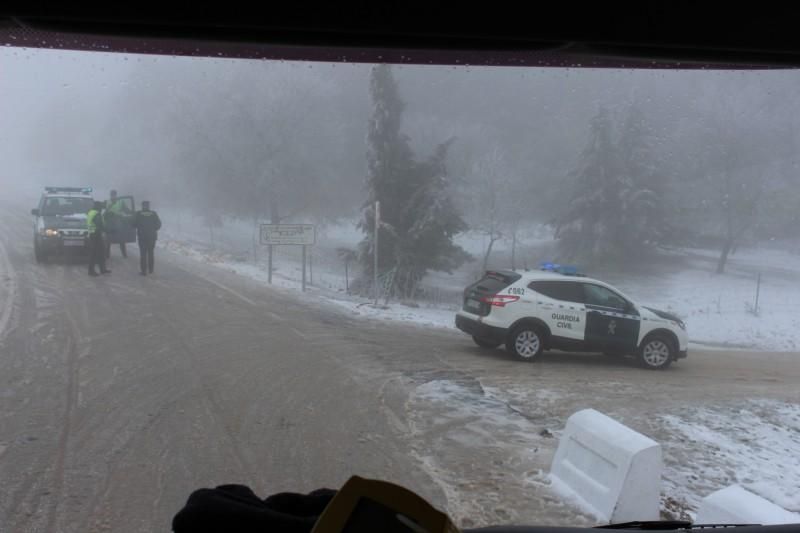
x: 66, y: 205
x: 305, y: 296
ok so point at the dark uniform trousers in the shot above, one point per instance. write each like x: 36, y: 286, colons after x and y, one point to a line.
x: 97, y: 255
x: 147, y: 249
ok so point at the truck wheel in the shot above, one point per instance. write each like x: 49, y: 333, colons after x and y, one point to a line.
x: 526, y: 342
x: 656, y: 352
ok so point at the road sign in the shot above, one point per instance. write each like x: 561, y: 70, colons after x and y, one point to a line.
x: 277, y: 234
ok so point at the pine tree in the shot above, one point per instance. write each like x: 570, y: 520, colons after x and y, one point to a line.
x: 588, y: 223
x: 641, y: 196
x: 616, y: 208
x: 389, y: 165
x: 418, y: 217
x: 431, y: 221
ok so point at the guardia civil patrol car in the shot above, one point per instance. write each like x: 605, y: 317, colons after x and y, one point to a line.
x: 59, y: 223
x: 530, y: 312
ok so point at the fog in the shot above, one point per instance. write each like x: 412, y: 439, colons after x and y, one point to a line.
x: 262, y: 141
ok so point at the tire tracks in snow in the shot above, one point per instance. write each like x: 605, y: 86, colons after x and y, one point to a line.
x: 34, y: 505
x: 10, y: 282
x: 215, y: 409
x: 70, y: 406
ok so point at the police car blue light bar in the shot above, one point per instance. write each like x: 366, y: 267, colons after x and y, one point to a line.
x: 567, y: 270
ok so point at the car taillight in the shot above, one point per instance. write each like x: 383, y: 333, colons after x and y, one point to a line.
x: 500, y: 300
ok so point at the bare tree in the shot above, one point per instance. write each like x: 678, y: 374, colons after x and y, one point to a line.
x: 492, y: 197
x: 742, y: 154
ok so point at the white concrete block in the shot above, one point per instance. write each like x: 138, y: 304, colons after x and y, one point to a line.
x: 611, y: 469
x: 736, y: 505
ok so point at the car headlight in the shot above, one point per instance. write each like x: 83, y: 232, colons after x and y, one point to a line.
x: 50, y: 232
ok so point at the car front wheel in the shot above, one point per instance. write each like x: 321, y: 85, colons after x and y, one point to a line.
x: 656, y: 353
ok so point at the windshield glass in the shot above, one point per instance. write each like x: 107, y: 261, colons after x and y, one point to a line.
x: 66, y: 205
x: 297, y: 288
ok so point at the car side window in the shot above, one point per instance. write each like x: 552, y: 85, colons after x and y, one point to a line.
x: 603, y: 297
x: 565, y: 291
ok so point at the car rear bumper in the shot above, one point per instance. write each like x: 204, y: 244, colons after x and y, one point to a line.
x: 479, y: 329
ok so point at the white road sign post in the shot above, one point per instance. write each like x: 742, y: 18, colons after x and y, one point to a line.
x: 304, y: 269
x: 375, y: 249
x: 269, y: 264
x: 288, y: 235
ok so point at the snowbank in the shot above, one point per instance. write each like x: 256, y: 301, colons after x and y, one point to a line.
x: 735, y: 505
x: 755, y: 444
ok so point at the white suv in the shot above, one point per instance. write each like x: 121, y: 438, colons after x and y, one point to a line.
x: 534, y: 311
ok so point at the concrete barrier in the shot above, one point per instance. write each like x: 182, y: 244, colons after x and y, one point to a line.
x: 736, y: 505
x: 613, y: 471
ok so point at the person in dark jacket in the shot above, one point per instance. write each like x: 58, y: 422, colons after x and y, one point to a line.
x: 147, y: 225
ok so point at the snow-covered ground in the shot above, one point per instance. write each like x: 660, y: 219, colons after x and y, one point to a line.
x: 718, y: 309
x: 755, y: 443
x: 453, y: 423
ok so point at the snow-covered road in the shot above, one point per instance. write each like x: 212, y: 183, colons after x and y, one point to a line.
x: 123, y: 394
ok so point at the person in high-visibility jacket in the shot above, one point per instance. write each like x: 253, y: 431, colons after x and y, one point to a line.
x: 115, y: 216
x: 96, y: 226
x: 147, y: 225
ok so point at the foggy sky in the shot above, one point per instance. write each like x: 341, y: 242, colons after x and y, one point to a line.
x: 111, y: 120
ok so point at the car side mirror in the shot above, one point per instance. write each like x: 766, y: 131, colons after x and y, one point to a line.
x: 35, y: 212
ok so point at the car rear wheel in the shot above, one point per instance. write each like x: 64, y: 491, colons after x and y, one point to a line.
x: 656, y: 353
x: 485, y: 343
x: 526, y: 342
